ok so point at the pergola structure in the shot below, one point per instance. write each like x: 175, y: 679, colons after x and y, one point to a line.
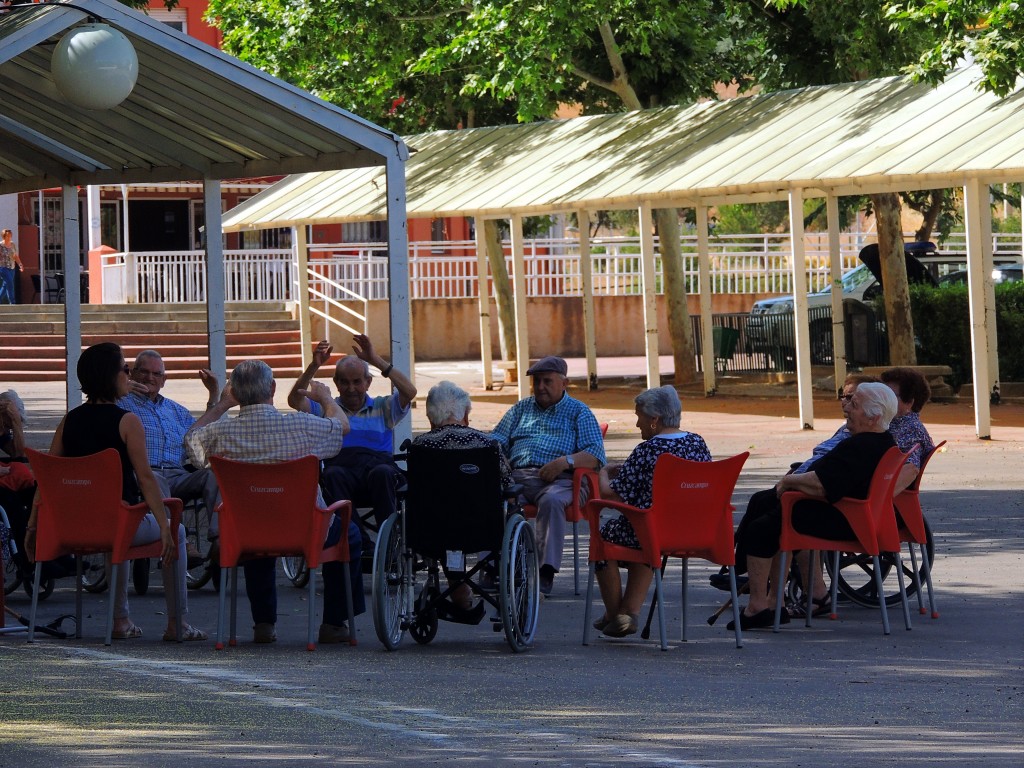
x: 885, y: 135
x: 194, y: 114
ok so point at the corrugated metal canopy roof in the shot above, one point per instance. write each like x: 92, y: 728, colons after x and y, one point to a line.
x: 855, y: 138
x: 194, y: 113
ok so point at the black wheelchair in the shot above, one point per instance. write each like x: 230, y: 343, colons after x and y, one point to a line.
x: 451, y: 510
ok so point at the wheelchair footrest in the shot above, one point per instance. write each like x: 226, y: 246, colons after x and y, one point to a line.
x: 449, y: 612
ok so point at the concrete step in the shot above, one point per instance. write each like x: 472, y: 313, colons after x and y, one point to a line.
x: 281, y: 354
x: 146, y: 341
x: 282, y: 373
x: 119, y: 328
x: 32, y: 342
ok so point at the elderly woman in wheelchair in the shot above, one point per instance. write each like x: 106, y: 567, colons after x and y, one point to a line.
x: 458, y: 505
x: 448, y: 407
x: 658, y: 414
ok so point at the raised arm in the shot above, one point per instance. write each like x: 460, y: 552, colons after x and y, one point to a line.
x: 321, y: 393
x: 364, y: 350
x: 212, y: 387
x: 296, y: 397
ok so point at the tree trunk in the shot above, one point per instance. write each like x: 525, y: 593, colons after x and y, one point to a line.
x: 930, y: 215
x: 666, y: 221
x: 502, y: 292
x: 679, y: 326
x: 896, y: 291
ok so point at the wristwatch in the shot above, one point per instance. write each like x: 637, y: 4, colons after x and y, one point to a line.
x: 571, y: 461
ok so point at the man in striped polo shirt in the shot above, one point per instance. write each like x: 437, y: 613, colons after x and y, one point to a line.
x: 364, y: 471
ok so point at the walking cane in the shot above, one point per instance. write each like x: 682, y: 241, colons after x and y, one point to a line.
x: 727, y: 604
x: 646, y: 633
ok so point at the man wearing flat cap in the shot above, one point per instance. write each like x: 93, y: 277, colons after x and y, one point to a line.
x: 545, y: 437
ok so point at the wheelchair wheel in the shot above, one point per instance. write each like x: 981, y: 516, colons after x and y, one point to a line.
x: 140, y: 575
x: 519, y: 587
x: 424, y: 627
x: 94, y: 572
x: 390, y: 584
x: 296, y: 570
x: 45, y: 587
x: 857, y: 575
x: 197, y: 529
x: 12, y: 577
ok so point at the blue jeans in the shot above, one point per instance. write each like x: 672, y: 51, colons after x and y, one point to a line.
x: 7, y: 286
x: 261, y: 581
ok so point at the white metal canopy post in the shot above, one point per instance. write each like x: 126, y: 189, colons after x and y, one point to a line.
x: 835, y: 266
x: 398, y: 278
x: 519, y: 289
x: 300, y: 242
x: 92, y: 197
x: 707, y: 332
x: 800, y: 319
x: 587, y: 286
x: 979, y: 285
x: 484, y: 300
x: 647, y: 276
x: 215, y: 323
x: 72, y: 293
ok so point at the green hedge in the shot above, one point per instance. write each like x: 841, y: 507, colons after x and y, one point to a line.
x: 942, y: 326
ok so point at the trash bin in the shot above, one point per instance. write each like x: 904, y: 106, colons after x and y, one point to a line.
x: 724, y: 342
x: 861, y: 333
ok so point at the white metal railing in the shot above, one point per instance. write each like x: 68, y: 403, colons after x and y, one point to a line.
x: 179, y: 277
x: 741, y: 264
x: 323, y: 290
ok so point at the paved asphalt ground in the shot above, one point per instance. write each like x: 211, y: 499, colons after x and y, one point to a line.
x: 950, y: 692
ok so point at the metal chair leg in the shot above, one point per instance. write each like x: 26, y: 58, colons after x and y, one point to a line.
x: 735, y: 606
x: 662, y: 631
x: 686, y: 586
x: 586, y: 606
x: 877, y: 563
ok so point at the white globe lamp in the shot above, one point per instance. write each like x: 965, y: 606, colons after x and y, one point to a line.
x: 95, y: 66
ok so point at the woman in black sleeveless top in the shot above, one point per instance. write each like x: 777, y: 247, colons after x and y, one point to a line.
x: 95, y: 426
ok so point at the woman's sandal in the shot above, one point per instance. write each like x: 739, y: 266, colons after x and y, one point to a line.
x: 128, y: 633
x: 622, y: 625
x: 187, y: 633
x: 601, y: 623
x: 822, y: 607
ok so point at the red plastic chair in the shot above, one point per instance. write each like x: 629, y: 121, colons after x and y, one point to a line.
x: 584, y: 485
x: 913, y: 532
x: 270, y: 510
x: 691, y: 516
x: 873, y: 521
x: 81, y: 513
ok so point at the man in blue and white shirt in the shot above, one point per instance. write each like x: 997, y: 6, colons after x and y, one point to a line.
x: 165, y: 423
x: 364, y: 471
x: 545, y: 437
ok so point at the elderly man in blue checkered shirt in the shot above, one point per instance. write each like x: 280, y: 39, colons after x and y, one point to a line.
x: 165, y: 423
x: 545, y: 437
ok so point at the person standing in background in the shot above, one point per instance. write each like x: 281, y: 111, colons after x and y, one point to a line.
x: 9, y: 261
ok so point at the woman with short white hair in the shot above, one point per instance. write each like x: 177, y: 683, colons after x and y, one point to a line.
x: 448, y: 407
x: 845, y: 471
x: 658, y: 415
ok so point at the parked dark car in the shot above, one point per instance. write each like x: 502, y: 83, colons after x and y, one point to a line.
x: 770, y: 325
x: 1003, y: 273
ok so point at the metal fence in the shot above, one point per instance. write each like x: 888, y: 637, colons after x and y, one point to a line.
x: 746, y: 343
x: 740, y: 264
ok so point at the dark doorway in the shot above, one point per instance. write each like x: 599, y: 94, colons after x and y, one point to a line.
x: 158, y: 225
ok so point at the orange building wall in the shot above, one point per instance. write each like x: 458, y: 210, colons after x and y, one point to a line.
x: 195, y: 26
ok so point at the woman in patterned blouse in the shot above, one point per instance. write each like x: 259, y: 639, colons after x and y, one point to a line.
x: 658, y: 413
x: 912, y: 392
